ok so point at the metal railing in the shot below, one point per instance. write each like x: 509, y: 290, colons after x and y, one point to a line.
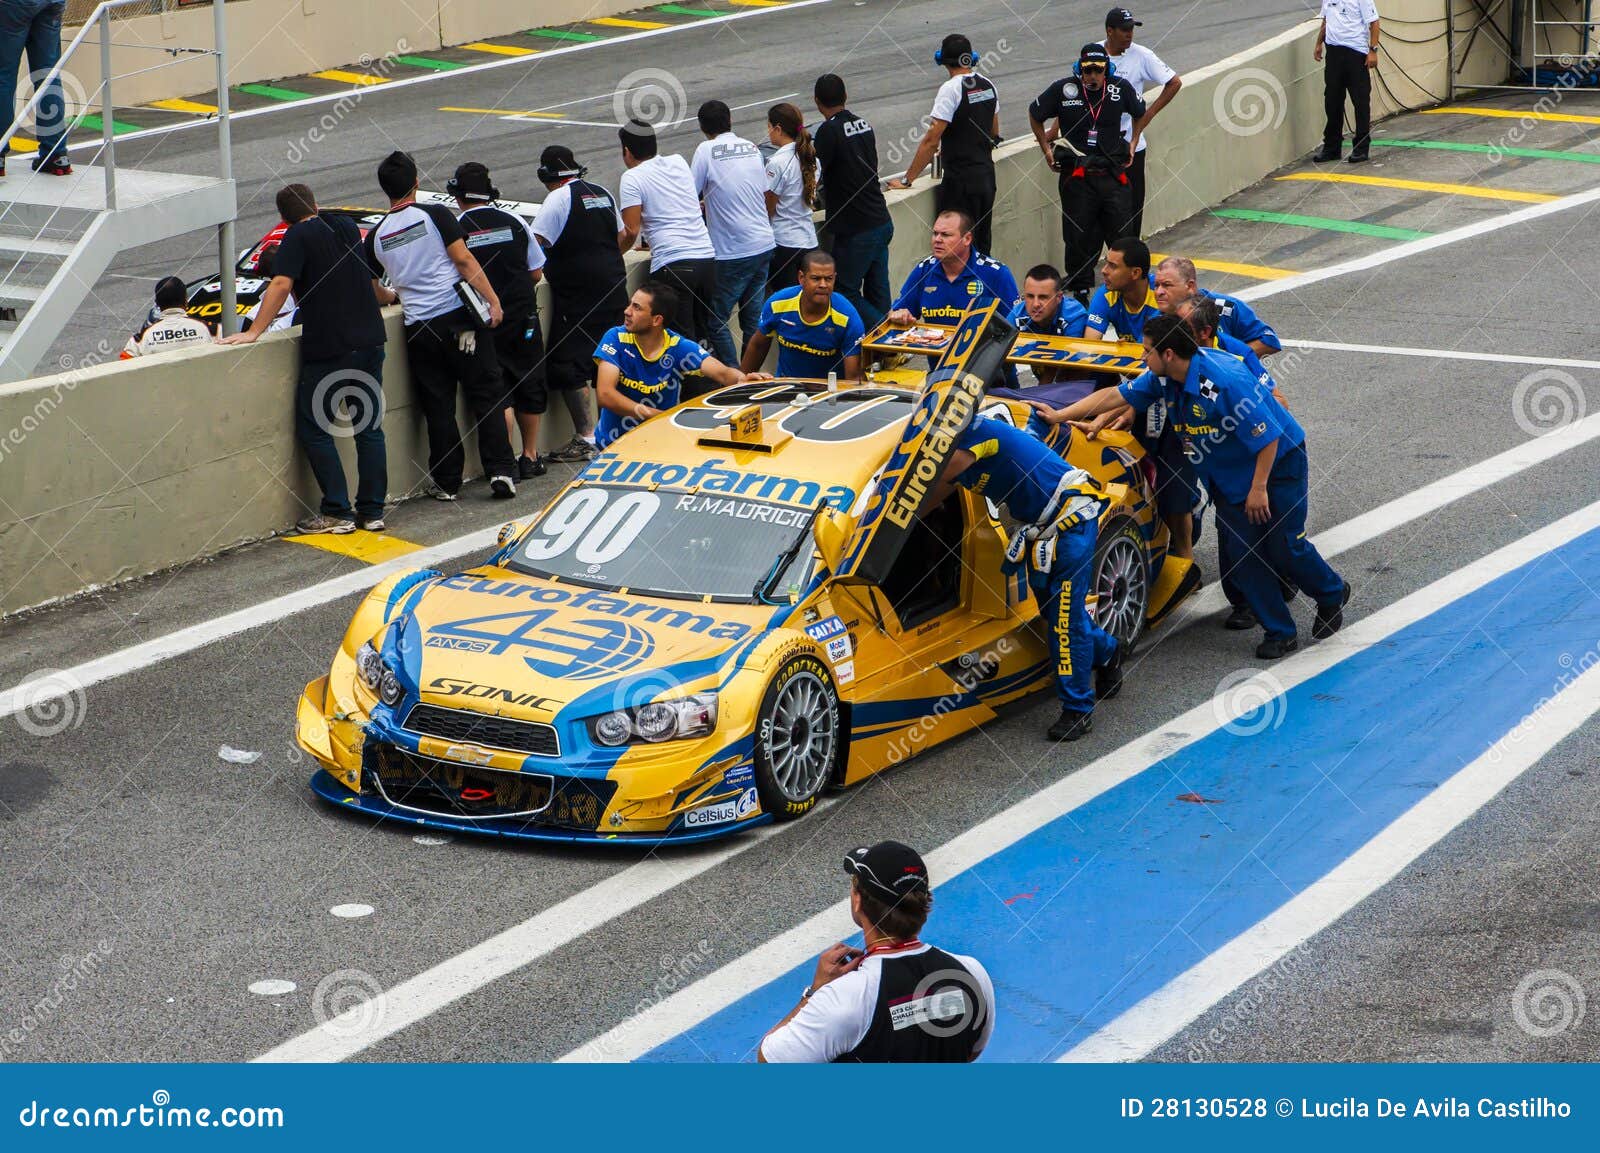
x: 97, y: 31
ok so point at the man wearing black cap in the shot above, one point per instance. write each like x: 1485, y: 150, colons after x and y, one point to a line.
x: 898, y: 1000
x: 1087, y: 150
x: 423, y: 251
x: 964, y: 127
x: 512, y: 260
x: 1144, y: 70
x: 577, y: 227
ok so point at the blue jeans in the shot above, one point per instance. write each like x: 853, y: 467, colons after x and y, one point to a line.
x: 861, y: 262
x: 356, y: 379
x: 34, y: 25
x: 1077, y: 645
x: 741, y: 283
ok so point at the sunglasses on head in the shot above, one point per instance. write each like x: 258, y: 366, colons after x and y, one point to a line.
x: 1094, y: 68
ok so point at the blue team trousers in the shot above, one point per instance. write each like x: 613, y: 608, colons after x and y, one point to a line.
x: 1259, y: 554
x: 1077, y: 645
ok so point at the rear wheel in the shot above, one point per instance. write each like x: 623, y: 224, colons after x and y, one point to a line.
x: 1121, y: 583
x: 797, y: 737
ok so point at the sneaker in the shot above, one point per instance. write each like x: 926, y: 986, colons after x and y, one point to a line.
x: 57, y: 165
x: 1274, y: 647
x: 437, y: 493
x: 1239, y: 619
x: 530, y: 467
x: 1108, y: 677
x: 317, y: 523
x: 1330, y: 618
x: 1325, y: 156
x: 372, y: 524
x: 1070, y: 726
x: 502, y: 487
x: 1358, y: 158
x: 576, y: 451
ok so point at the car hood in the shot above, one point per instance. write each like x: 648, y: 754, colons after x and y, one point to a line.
x: 505, y: 643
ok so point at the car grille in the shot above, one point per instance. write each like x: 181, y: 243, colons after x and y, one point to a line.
x: 482, y: 729
x: 472, y: 793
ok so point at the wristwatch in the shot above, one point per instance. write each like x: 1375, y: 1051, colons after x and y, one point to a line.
x: 805, y: 994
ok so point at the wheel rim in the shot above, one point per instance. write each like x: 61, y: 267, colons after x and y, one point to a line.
x: 801, y: 737
x: 1121, y: 590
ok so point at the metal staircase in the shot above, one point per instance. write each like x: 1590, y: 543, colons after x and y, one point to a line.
x: 59, y: 234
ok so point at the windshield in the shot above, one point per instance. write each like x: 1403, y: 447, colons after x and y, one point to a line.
x: 669, y: 542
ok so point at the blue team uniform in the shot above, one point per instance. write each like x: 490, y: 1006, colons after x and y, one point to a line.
x: 1109, y: 309
x: 930, y: 296
x: 655, y: 382
x: 1036, y: 486
x: 1225, y: 417
x: 811, y: 350
x: 1244, y: 352
x: 1070, y: 319
x: 1240, y: 321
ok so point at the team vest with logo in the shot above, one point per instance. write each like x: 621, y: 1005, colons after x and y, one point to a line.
x: 929, y: 1009
x: 584, y: 262
x: 499, y: 241
x: 967, y: 142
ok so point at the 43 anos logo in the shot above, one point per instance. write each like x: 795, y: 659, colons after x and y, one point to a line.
x: 574, y: 650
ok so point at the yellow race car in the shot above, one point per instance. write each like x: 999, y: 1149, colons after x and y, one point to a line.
x: 742, y: 603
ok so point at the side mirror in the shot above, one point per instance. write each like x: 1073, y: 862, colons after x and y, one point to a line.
x: 832, y: 531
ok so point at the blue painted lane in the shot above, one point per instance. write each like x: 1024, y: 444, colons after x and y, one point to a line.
x: 1085, y: 917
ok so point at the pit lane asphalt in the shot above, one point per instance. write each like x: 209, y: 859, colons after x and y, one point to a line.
x: 201, y: 877
x: 883, y: 48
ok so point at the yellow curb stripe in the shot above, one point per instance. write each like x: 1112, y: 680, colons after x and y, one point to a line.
x: 192, y: 106
x: 23, y: 144
x: 1476, y: 190
x: 758, y: 3
x: 500, y: 49
x: 359, y: 79
x: 1508, y: 114
x: 503, y: 112
x: 1253, y: 271
x: 367, y: 547
x: 619, y: 22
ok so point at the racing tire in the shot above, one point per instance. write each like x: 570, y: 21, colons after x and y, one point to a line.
x: 1121, y: 583
x: 798, y: 737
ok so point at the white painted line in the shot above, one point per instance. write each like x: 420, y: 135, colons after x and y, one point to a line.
x: 1443, y: 354
x: 1415, y: 247
x: 410, y: 1001
x: 534, y: 59
x: 1164, y: 1013
x: 689, y: 1006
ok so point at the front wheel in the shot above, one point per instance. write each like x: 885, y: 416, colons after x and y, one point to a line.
x: 1121, y: 583
x: 797, y: 737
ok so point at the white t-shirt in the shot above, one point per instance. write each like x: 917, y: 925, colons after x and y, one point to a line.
x: 1350, y: 23
x: 409, y: 246
x: 669, y: 210
x: 836, y: 1017
x: 729, y: 175
x: 284, y: 319
x: 948, y: 98
x: 553, y: 213
x: 791, y: 224
x: 1144, y: 70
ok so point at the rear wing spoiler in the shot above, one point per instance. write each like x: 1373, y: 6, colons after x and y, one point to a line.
x: 1084, y: 354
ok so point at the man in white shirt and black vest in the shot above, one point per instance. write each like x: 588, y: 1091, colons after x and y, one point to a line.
x: 898, y: 1000
x: 964, y: 127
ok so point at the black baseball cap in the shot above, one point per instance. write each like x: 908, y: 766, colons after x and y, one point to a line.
x: 557, y: 162
x: 471, y: 182
x: 1122, y: 18
x: 889, y: 870
x: 1093, y: 54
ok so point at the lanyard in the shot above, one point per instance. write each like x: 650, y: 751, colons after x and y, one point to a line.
x: 879, y: 950
x: 1094, y: 110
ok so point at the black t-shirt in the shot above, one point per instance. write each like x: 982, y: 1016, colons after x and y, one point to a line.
x: 1082, y: 116
x: 332, y: 287
x: 507, y: 251
x: 847, y: 150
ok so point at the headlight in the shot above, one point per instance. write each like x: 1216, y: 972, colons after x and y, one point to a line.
x: 692, y: 716
x: 389, y: 690
x: 369, y: 665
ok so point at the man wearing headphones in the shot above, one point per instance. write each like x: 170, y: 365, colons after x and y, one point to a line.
x: 964, y: 127
x: 577, y: 228
x: 1087, y: 150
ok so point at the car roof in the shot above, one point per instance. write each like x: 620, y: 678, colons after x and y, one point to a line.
x: 819, y: 439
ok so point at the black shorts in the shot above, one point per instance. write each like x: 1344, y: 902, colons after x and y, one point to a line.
x: 519, y: 347
x: 576, y: 329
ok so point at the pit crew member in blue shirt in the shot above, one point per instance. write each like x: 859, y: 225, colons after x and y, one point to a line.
x: 1123, y: 301
x: 1046, y: 309
x: 818, y: 331
x: 1251, y: 452
x: 640, y: 364
x: 941, y: 287
x: 1058, y: 509
x: 1174, y: 282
